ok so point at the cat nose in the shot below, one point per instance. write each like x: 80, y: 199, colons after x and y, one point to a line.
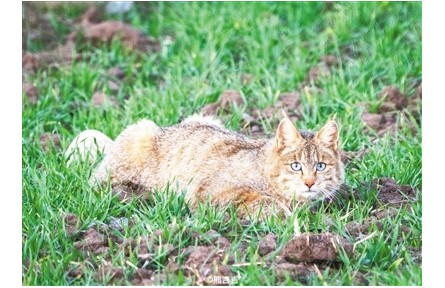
x: 309, y: 183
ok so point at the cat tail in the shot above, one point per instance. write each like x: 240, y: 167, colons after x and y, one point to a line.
x: 87, y: 146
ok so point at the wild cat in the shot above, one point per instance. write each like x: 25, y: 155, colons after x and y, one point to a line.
x: 210, y: 163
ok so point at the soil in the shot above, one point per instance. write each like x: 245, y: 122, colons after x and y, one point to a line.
x: 100, y: 99
x: 71, y: 224
x: 48, y: 140
x: 390, y: 198
x: 349, y: 156
x: 315, y: 247
x: 391, y: 194
x: 31, y: 92
x: 206, y: 261
x: 287, y: 102
x: 380, y: 123
x: 92, y: 241
x: 394, y: 104
x: 321, y: 70
x: 110, y: 274
x: 200, y: 263
x: 294, y: 271
x: 393, y: 99
x: 267, y: 244
x: 90, y: 30
x: 226, y: 100
x: 36, y: 25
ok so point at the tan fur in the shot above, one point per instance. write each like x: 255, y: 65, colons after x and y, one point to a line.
x: 210, y: 163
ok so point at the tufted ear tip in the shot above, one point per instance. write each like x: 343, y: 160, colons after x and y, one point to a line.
x: 287, y: 133
x: 328, y: 135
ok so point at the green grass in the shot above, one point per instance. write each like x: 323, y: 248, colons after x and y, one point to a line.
x: 213, y: 44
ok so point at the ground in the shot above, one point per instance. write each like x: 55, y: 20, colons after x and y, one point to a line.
x: 243, y: 63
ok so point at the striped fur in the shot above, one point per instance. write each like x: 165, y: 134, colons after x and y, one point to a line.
x: 210, y: 163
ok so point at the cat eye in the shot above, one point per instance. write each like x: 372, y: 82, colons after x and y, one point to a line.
x: 296, y: 166
x: 320, y: 166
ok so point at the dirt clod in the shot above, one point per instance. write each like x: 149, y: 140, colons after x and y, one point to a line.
x: 316, y: 73
x: 92, y: 241
x: 329, y: 60
x: 48, y: 140
x: 107, y: 31
x: 141, y: 246
x: 116, y: 72
x: 267, y: 244
x: 381, y: 123
x: 394, y: 99
x: 226, y: 100
x: 298, y: 271
x: 315, y: 247
x: 287, y: 102
x: 348, y: 156
x: 110, y: 274
x: 31, y: 92
x: 140, y: 275
x: 205, y: 261
x: 72, y: 224
x: 76, y: 272
x: 392, y: 194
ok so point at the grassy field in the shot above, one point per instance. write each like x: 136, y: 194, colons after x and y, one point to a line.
x: 261, y: 50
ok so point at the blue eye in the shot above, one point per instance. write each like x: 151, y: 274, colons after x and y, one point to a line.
x: 320, y: 166
x: 296, y: 166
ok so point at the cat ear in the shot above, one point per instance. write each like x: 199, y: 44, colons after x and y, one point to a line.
x: 328, y: 134
x: 287, y: 134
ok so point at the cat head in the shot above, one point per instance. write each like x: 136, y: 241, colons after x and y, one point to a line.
x: 305, y: 165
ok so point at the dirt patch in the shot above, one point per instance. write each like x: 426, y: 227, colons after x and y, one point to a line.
x: 391, y: 194
x: 107, y: 31
x: 201, y: 263
x: 116, y: 72
x: 109, y: 274
x: 100, y: 99
x: 59, y: 56
x: 416, y: 255
x: 72, y: 224
x: 394, y: 104
x: 91, y: 30
x: 390, y: 198
x: 205, y: 262
x: 31, y: 92
x: 287, y: 102
x: 76, y: 271
x: 215, y: 238
x: 393, y: 99
x: 267, y: 244
x: 321, y: 70
x: 315, y: 247
x: 92, y: 242
x: 226, y: 100
x: 296, y: 272
x: 380, y: 123
x: 349, y: 156
x: 50, y: 140
x: 142, y: 277
x: 373, y: 223
x: 36, y: 26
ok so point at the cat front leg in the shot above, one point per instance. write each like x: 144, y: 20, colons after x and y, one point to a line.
x: 251, y: 204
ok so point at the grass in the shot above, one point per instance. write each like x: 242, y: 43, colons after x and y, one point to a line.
x: 213, y: 45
